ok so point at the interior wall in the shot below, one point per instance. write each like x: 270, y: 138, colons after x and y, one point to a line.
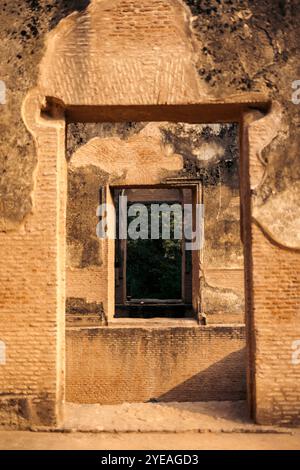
x: 33, y: 289
x: 136, y: 364
x: 182, y: 364
x: 209, y: 153
x: 250, y: 50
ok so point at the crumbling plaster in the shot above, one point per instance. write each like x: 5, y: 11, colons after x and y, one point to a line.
x: 237, y: 47
x: 150, y: 154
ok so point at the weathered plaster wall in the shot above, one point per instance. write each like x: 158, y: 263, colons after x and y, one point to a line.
x: 253, y: 46
x: 211, y: 153
x: 140, y: 159
x: 24, y: 24
x: 208, y: 152
x: 240, y: 46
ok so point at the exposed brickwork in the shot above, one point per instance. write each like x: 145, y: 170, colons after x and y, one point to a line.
x: 162, y: 71
x: 276, y: 313
x: 31, y: 276
x: 147, y: 157
x: 119, y: 364
x: 142, y: 159
x: 32, y: 256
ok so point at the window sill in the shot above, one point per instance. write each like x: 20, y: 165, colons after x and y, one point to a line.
x: 153, y: 322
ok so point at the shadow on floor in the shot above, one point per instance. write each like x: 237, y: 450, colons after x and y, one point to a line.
x: 224, y: 380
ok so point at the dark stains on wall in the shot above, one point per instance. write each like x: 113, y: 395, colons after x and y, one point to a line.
x: 243, y: 45
x: 80, y: 133
x: 253, y: 45
x: 210, y: 152
x: 77, y: 306
x: 24, y: 24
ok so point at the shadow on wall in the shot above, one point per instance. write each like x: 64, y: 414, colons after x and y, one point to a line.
x: 223, y: 381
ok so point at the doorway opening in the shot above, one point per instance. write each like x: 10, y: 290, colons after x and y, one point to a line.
x: 124, y: 315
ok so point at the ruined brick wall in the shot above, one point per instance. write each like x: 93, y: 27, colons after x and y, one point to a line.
x: 24, y: 24
x: 31, y: 373
x: 31, y: 269
x: 276, y: 318
x: 240, y: 47
x: 131, y: 364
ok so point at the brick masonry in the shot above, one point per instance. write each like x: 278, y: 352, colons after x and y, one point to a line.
x: 167, y: 363
x: 32, y: 261
x: 145, y: 158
